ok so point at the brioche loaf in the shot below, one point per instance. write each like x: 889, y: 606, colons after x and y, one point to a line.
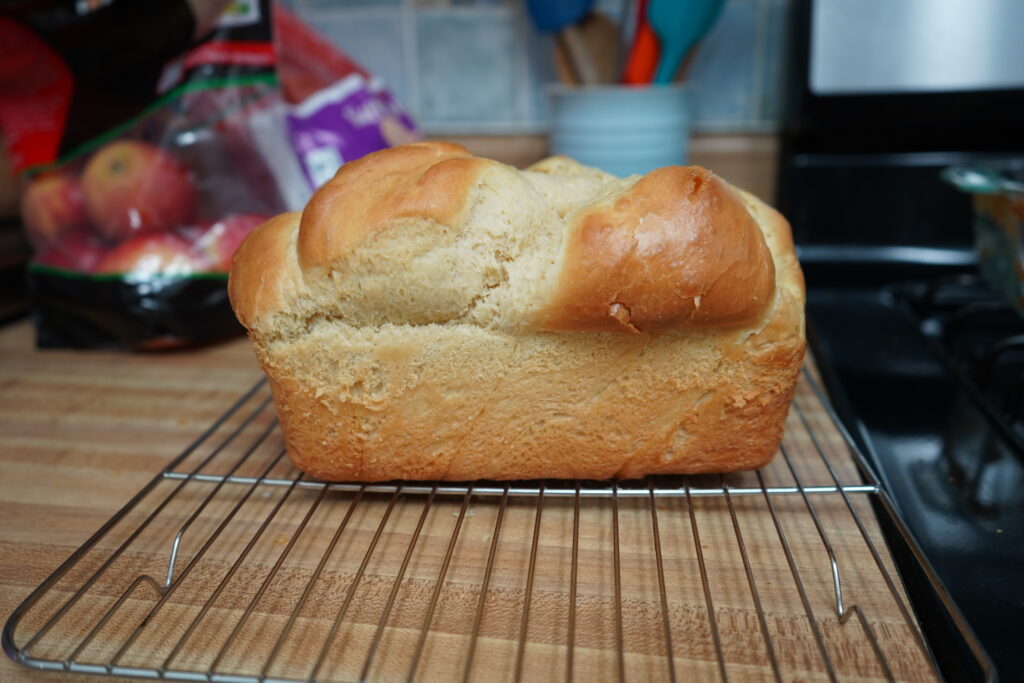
x: 438, y: 316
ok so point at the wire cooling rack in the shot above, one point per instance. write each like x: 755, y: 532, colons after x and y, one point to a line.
x: 232, y: 566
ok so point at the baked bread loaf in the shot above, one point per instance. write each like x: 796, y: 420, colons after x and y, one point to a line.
x: 433, y: 315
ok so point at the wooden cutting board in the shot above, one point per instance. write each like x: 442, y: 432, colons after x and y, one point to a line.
x: 80, y: 433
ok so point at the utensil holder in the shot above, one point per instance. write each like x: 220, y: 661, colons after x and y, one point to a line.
x: 621, y: 129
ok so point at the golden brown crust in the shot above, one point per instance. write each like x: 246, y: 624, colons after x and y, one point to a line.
x: 636, y: 407
x: 678, y: 249
x: 425, y: 180
x: 555, y: 388
x: 264, y: 274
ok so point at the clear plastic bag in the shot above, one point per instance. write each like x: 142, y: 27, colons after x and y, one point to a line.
x: 138, y: 182
x: 148, y: 146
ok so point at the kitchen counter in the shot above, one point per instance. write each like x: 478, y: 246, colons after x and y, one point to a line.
x: 80, y: 433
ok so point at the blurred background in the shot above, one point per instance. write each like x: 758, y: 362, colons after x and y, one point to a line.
x: 471, y: 71
x: 841, y: 113
x: 479, y: 70
x: 479, y: 73
x: 482, y: 67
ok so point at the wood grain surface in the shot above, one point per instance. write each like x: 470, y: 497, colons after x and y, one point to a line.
x: 81, y: 432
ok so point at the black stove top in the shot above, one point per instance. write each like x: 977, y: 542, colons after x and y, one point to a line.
x: 929, y: 376
x: 980, y: 337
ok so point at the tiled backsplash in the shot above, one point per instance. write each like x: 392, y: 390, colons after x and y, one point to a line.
x: 481, y: 67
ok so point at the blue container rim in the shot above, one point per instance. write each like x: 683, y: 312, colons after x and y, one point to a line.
x: 617, y: 89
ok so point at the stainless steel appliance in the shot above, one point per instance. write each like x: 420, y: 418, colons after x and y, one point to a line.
x: 925, y: 360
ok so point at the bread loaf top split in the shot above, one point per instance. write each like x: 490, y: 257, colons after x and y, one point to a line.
x: 428, y: 234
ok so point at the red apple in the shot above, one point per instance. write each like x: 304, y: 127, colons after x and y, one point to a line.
x: 51, y: 206
x: 147, y: 255
x: 78, y: 250
x: 133, y: 187
x: 218, y: 241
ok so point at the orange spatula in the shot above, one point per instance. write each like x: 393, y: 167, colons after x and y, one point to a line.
x: 643, y: 54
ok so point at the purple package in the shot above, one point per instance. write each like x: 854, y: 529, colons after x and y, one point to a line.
x: 344, y: 122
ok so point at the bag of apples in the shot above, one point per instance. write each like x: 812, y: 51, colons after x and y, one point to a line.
x: 132, y: 127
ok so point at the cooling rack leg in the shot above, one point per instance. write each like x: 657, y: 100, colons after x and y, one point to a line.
x: 889, y: 582
x: 176, y: 543
x: 837, y: 584
x: 231, y: 572
x: 841, y: 611
x: 73, y: 600
x: 198, y: 556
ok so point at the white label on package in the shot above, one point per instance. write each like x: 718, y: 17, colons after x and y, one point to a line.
x: 322, y: 163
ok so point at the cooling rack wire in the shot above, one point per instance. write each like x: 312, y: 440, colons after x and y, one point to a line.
x: 231, y: 566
